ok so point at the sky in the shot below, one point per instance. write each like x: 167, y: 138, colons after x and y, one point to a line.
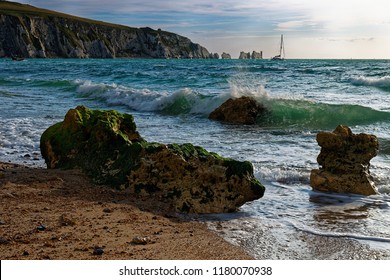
x: 340, y: 29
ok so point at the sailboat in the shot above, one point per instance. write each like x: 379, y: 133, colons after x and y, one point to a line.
x: 281, y: 51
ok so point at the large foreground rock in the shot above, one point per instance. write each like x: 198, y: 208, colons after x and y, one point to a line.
x: 107, y: 146
x: 243, y: 110
x: 345, y: 160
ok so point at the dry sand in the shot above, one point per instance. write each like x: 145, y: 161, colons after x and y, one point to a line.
x: 61, y: 215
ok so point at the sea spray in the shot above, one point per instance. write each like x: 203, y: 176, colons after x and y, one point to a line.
x: 286, y: 111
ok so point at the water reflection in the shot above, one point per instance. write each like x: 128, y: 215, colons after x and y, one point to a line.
x: 352, y: 214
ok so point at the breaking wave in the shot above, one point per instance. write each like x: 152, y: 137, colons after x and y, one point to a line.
x: 382, y: 83
x: 183, y: 101
x: 283, y: 111
x: 303, y: 113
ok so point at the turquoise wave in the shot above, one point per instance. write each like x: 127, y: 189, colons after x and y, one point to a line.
x: 283, y: 113
x: 60, y: 84
x: 312, y: 115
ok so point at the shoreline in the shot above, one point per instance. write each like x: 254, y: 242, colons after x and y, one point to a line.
x: 59, y: 214
x: 272, y: 241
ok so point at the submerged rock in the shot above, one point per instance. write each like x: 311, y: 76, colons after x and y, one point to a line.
x: 345, y: 161
x: 107, y: 146
x: 243, y: 110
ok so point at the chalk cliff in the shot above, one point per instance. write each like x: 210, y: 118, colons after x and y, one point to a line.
x: 32, y: 32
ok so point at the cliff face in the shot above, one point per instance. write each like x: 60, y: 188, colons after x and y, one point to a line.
x: 42, y: 34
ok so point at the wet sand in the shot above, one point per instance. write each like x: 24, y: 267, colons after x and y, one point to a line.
x: 272, y: 241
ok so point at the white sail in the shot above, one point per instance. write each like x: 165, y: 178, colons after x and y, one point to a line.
x: 281, y: 54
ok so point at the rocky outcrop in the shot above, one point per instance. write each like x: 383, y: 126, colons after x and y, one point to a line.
x: 107, y: 146
x: 26, y: 31
x: 248, y: 55
x: 244, y: 55
x: 257, y: 55
x: 226, y: 56
x: 345, y: 161
x: 214, y: 56
x: 243, y: 110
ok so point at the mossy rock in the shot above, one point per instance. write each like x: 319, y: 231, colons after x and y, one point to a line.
x: 107, y: 147
x: 92, y: 140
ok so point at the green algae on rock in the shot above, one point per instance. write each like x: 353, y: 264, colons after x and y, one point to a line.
x: 107, y: 146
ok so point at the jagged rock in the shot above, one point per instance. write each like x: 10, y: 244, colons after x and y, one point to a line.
x: 214, y: 56
x: 243, y: 110
x: 107, y: 146
x: 27, y: 31
x: 244, y: 55
x: 345, y: 160
x: 226, y: 56
x: 257, y: 55
x: 248, y: 55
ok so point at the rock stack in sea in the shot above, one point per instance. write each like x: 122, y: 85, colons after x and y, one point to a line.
x: 225, y: 56
x: 345, y: 161
x: 244, y: 55
x: 107, y: 146
x: 214, y: 56
x: 243, y: 110
x: 248, y: 55
x: 257, y: 55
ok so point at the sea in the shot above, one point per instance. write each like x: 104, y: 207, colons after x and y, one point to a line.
x: 170, y: 101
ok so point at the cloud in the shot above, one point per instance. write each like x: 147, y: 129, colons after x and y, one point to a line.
x: 350, y: 40
x: 296, y: 25
x: 278, y: 15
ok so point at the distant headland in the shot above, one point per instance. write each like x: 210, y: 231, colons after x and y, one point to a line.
x: 31, y: 32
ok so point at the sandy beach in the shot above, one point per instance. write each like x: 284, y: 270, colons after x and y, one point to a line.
x: 58, y: 215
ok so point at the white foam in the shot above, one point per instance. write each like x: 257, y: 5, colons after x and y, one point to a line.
x: 380, y: 82
x: 19, y: 137
x: 341, y: 234
x: 184, y: 100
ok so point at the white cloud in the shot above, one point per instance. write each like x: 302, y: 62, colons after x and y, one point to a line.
x: 226, y: 22
x: 288, y: 14
x: 292, y: 25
